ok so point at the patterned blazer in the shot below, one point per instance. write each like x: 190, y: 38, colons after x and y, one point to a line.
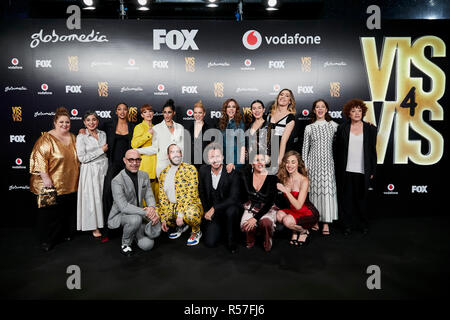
x: 186, y: 191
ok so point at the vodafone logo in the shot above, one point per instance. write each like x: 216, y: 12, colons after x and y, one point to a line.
x: 190, y: 112
x: 160, y: 90
x: 74, y: 112
x: 44, y: 90
x: 390, y: 190
x: 305, y: 112
x: 276, y: 87
x: 131, y: 62
x: 248, y: 62
x: 252, y: 40
x: 15, y: 64
x: 18, y: 165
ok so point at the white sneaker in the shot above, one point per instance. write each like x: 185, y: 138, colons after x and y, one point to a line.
x: 126, y: 250
x: 178, y: 232
x: 194, y: 239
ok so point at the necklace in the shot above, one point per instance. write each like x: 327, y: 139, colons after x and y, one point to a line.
x: 170, y: 127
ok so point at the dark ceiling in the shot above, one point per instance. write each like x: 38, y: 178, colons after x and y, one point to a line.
x: 252, y: 9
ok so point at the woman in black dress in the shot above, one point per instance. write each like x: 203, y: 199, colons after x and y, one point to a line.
x: 119, y: 133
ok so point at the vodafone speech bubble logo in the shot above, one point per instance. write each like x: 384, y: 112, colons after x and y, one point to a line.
x: 252, y: 39
x: 15, y: 61
x: 44, y: 87
x: 390, y: 187
x: 74, y: 112
x: 190, y: 112
x: 305, y: 112
x: 19, y: 161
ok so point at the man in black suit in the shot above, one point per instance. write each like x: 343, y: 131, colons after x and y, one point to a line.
x: 219, y: 193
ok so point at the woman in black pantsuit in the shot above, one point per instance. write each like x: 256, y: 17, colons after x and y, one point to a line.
x: 119, y: 133
x: 355, y: 160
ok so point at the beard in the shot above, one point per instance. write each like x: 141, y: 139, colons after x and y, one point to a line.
x: 175, y: 161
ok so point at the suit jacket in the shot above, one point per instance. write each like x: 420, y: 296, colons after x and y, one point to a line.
x: 161, y: 139
x: 125, y: 197
x: 110, y: 130
x: 228, y: 188
x: 192, y: 140
x: 341, y: 153
x: 186, y: 191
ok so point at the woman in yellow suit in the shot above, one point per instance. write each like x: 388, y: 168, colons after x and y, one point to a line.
x: 143, y: 136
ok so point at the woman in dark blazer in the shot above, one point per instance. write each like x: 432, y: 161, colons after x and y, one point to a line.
x: 355, y: 160
x: 197, y: 131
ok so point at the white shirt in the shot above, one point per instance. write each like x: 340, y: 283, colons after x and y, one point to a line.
x: 355, y: 157
x: 216, y: 178
x: 162, y: 138
x: 169, y: 184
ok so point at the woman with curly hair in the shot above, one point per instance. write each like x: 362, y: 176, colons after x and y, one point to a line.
x: 232, y: 127
x: 356, y: 159
x: 301, y: 214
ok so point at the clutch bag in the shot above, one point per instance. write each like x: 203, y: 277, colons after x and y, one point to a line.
x: 47, y: 197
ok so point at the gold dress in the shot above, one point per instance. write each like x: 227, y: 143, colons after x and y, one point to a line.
x: 59, y: 161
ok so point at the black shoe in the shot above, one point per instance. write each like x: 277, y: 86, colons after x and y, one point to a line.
x: 126, y: 250
x: 347, y: 232
x: 46, y: 247
x: 306, y: 241
x: 232, y: 248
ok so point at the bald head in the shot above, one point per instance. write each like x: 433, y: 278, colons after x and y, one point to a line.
x: 132, y: 160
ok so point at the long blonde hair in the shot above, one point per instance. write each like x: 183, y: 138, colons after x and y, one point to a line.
x: 291, y: 106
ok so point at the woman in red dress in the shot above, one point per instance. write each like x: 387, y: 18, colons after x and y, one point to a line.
x: 301, y: 214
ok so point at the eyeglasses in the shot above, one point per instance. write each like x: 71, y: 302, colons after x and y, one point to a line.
x: 131, y: 160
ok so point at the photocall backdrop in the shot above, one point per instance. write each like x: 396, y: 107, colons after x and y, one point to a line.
x: 399, y: 70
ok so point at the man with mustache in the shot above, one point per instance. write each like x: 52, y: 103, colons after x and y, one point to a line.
x: 219, y: 192
x: 179, y: 203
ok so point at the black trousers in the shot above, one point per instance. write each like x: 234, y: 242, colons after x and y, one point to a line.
x: 223, y: 220
x: 354, y: 202
x: 59, y: 221
x: 107, y: 198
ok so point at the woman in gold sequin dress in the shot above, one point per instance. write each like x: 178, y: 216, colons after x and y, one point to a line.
x: 54, y: 163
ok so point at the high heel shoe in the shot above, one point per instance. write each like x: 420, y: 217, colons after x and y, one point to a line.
x: 304, y: 242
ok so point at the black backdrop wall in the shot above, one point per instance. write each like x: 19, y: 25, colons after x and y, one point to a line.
x: 399, y: 70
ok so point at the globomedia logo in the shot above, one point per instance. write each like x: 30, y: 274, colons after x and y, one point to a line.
x: 252, y: 39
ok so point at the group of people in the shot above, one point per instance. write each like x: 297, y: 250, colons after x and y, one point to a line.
x: 238, y: 177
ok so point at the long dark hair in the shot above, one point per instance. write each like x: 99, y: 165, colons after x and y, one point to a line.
x: 313, y: 117
x: 223, y: 121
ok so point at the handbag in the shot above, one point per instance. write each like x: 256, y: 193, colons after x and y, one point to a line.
x: 47, y: 197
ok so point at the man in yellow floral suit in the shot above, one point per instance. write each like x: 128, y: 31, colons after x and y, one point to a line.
x: 179, y: 203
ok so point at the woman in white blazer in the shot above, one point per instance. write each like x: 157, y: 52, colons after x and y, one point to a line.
x: 166, y: 133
